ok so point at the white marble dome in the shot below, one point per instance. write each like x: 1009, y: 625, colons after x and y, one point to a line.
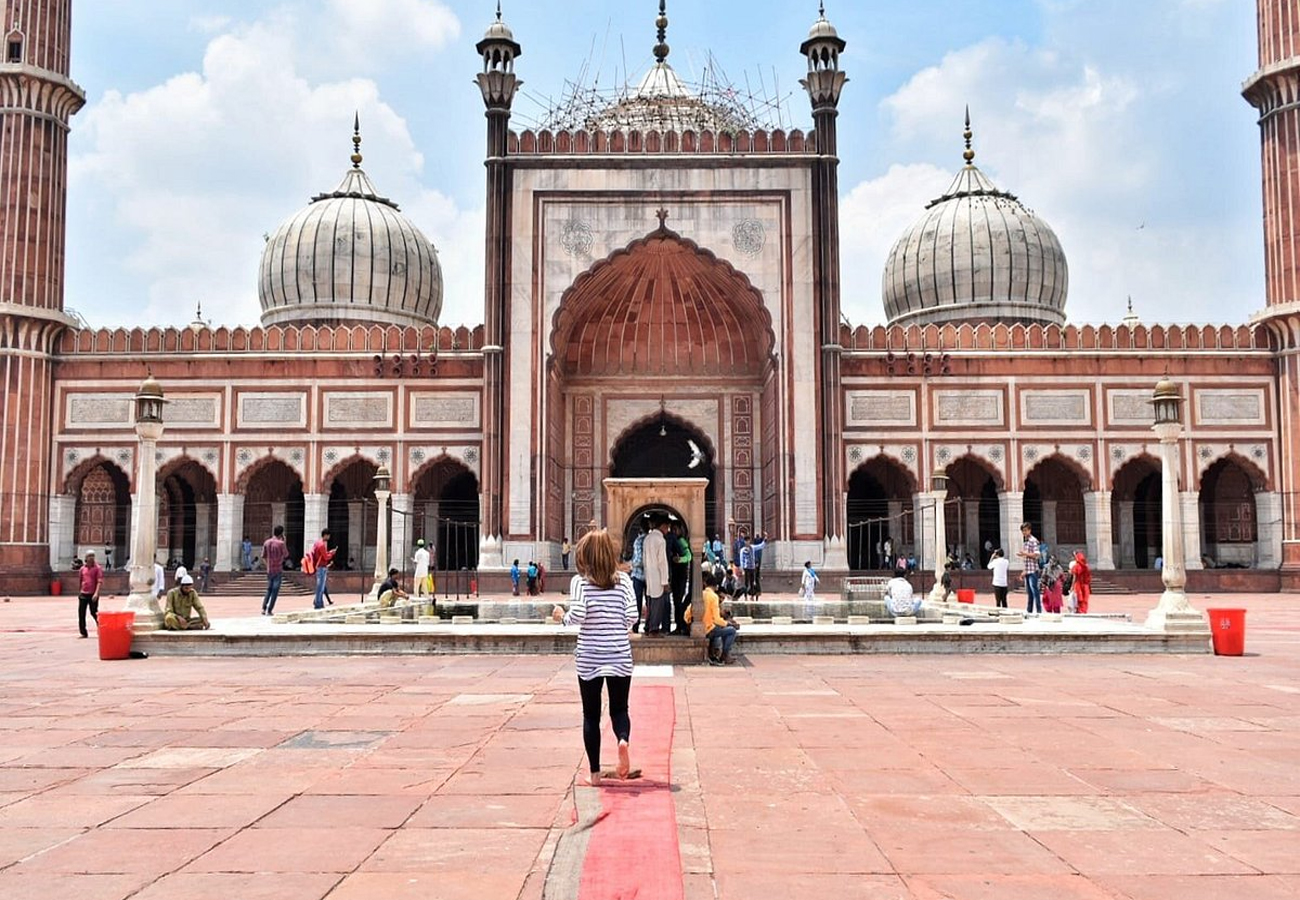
x: 350, y: 256
x: 976, y: 255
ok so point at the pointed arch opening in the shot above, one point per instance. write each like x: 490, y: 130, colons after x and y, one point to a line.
x: 187, y: 513
x: 669, y: 447
x: 973, y: 519
x: 1229, y: 525
x: 273, y: 496
x: 352, y: 516
x: 1053, y: 504
x: 103, y: 513
x: 1136, y: 513
x: 445, y: 513
x: 881, y: 513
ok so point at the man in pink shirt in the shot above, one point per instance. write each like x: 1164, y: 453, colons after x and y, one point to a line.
x: 92, y: 579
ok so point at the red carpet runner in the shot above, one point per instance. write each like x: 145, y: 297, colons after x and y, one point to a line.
x: 633, y: 850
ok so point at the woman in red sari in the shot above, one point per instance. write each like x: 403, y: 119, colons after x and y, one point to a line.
x: 1082, y: 586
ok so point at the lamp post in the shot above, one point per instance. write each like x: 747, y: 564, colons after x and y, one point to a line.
x: 1173, y: 612
x: 939, y: 493
x: 383, y: 481
x: 149, y: 402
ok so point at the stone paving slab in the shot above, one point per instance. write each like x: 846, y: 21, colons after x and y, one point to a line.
x: 990, y: 777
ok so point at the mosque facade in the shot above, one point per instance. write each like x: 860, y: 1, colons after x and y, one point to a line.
x: 662, y: 299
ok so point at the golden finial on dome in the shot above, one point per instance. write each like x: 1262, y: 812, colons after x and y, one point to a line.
x: 969, y: 155
x: 356, y: 141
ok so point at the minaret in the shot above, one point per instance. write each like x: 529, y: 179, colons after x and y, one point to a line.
x: 37, y: 101
x: 1271, y: 90
x: 824, y: 84
x: 499, y: 86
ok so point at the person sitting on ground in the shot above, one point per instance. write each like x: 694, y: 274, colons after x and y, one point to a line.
x: 899, y: 596
x: 391, y: 590
x: 182, y: 603
x: 721, y: 634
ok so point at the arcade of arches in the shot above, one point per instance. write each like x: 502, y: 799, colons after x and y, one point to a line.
x: 884, y: 503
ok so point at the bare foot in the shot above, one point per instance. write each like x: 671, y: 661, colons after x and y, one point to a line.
x: 623, y: 763
x: 595, y: 779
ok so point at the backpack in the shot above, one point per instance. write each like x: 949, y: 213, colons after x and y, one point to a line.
x: 309, y: 564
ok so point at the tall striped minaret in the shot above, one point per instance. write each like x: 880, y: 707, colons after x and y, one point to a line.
x: 37, y: 100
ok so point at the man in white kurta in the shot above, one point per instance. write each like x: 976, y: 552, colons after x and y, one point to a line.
x: 421, y: 560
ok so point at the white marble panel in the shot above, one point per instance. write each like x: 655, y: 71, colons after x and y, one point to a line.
x: 258, y: 410
x: 1056, y: 407
x: 364, y: 409
x: 867, y: 408
x: 193, y: 411
x: 969, y: 407
x: 439, y: 410
x: 107, y: 411
x: 1230, y: 407
x: 1129, y: 407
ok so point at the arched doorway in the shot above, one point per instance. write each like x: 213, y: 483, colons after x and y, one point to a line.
x: 103, y: 513
x: 1229, y: 528
x: 446, y: 512
x: 879, y: 510
x: 1053, y: 504
x: 187, y: 513
x: 273, y: 496
x: 974, y: 522
x: 1136, y: 514
x: 352, y: 512
x: 666, y: 447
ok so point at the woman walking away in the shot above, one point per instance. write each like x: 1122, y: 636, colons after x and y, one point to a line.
x: 1082, y: 582
x: 603, y: 606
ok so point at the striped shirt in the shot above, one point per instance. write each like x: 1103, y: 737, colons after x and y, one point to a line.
x: 603, y: 616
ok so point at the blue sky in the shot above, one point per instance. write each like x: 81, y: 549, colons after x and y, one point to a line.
x: 210, y: 122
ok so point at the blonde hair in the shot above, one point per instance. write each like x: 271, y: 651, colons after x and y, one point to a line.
x: 596, y: 558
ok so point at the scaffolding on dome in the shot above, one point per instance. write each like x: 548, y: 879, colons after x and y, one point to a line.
x: 663, y: 101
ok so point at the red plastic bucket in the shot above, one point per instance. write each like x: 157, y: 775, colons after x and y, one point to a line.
x: 115, y: 633
x: 965, y: 595
x: 1228, y: 631
x: 56, y: 588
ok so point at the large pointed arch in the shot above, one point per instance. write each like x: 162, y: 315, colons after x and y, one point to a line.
x: 662, y: 306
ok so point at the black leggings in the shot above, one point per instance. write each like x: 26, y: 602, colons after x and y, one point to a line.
x: 619, y: 686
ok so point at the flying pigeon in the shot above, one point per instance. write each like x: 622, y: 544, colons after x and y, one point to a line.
x: 697, y: 455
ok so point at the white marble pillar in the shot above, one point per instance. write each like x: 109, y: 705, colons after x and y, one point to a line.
x: 400, y: 545
x: 144, y: 530
x: 1096, y: 511
x: 203, y: 545
x: 63, y: 531
x: 1192, y: 550
x: 1011, y: 512
x: 939, y: 539
x: 230, y: 533
x: 1174, y: 612
x: 923, y: 538
x: 1268, y: 530
x: 381, y: 541
x: 315, y: 516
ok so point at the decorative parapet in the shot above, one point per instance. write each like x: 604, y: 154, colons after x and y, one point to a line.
x: 367, y: 339
x: 566, y: 143
x: 1100, y: 338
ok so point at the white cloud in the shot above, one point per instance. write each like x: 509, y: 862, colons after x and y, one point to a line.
x: 361, y: 27
x: 194, y: 171
x: 1076, y: 143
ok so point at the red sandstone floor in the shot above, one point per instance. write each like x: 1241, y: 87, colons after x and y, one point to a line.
x: 980, y: 778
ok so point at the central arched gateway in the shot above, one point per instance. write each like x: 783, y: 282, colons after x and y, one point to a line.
x: 669, y: 448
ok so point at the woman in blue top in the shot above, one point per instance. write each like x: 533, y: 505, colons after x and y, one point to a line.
x: 603, y: 607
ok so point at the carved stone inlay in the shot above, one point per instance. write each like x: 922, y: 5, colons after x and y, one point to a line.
x: 576, y: 237
x: 1056, y: 407
x: 749, y: 237
x: 881, y: 408
x: 968, y: 407
x: 272, y: 409
x: 1230, y: 407
x: 358, y: 409
x: 444, y: 411
x: 99, y: 410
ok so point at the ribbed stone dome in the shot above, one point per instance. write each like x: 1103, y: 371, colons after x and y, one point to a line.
x: 350, y: 256
x: 976, y: 255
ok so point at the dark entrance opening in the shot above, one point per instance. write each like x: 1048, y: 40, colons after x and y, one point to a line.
x: 667, y: 448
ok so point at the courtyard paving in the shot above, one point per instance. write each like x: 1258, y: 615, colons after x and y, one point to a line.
x: 894, y: 778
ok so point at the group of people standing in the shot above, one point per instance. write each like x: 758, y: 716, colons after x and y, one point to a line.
x: 1047, y: 582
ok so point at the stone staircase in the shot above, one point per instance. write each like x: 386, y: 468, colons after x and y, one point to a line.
x: 250, y: 584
